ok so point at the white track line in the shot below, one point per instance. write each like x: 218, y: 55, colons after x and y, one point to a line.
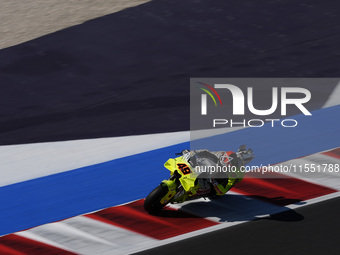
x: 30, y: 161
x: 86, y: 236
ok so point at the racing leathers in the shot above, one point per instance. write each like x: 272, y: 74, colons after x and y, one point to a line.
x: 217, y: 183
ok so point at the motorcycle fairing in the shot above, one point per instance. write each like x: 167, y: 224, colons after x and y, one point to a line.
x: 188, y: 176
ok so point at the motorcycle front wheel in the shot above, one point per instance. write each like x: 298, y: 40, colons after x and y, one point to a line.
x: 152, y: 202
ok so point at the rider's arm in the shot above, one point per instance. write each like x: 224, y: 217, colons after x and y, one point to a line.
x: 234, y: 177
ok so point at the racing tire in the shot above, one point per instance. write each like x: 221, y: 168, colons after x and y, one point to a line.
x: 152, y: 202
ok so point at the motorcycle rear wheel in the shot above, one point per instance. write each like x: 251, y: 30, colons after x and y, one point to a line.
x: 152, y: 202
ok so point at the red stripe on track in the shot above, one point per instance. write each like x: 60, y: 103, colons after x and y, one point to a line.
x: 333, y: 153
x: 17, y: 245
x: 5, y: 250
x: 279, y: 189
x: 168, y: 223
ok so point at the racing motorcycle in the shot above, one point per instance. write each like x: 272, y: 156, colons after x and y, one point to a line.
x: 176, y: 189
x: 183, y: 183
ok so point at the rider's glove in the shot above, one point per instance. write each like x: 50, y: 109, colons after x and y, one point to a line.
x: 182, y: 152
x: 185, y: 151
x: 244, y: 154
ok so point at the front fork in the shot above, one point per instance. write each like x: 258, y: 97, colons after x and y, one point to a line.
x: 175, y: 189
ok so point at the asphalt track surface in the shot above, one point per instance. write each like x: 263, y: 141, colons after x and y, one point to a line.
x: 307, y: 230
x: 127, y: 72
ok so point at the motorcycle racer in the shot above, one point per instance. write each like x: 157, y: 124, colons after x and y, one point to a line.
x: 189, y: 180
x: 218, y: 183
